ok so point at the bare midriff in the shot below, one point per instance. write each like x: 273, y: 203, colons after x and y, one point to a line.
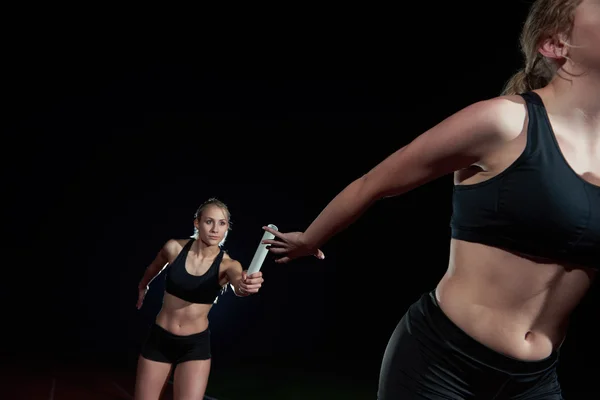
x: 512, y: 304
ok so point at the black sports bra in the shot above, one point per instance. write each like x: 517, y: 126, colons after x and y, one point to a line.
x: 538, y: 206
x: 202, y: 289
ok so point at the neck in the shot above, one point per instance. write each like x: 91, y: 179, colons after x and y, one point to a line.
x: 575, y: 98
x: 204, y: 250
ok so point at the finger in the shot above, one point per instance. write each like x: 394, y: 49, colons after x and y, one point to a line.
x: 320, y: 255
x: 256, y: 281
x: 274, y: 232
x: 253, y: 287
x: 244, y: 275
x: 273, y: 242
x: 255, y: 275
x: 278, y: 250
x: 283, y: 260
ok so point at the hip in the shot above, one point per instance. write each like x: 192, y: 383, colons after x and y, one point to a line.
x: 428, y: 356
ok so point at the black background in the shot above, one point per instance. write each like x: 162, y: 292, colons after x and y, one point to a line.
x: 111, y: 144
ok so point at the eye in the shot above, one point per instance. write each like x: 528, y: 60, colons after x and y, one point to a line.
x: 222, y: 222
x: 208, y: 222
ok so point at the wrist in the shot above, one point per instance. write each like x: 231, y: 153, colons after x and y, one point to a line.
x: 239, y: 292
x: 307, y: 243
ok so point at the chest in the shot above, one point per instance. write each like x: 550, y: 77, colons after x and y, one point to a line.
x: 553, y: 203
x: 578, y: 149
x: 197, y: 268
x: 191, y: 274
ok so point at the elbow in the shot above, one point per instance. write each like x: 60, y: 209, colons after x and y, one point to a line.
x: 368, y: 189
x: 235, y: 290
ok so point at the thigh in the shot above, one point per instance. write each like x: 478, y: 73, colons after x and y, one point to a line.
x: 150, y: 379
x: 544, y: 387
x: 415, y: 367
x: 191, y: 379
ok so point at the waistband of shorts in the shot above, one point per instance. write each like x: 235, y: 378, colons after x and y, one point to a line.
x: 474, y: 349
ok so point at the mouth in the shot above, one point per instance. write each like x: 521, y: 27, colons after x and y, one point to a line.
x: 213, y: 237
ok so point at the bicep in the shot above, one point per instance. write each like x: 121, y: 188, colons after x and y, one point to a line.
x: 234, y: 272
x: 458, y: 142
x: 165, y: 254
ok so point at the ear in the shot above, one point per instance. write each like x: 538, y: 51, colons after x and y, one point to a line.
x: 196, y: 223
x: 554, y: 48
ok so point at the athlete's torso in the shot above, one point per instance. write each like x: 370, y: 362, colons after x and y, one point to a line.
x: 206, y: 278
x: 517, y: 298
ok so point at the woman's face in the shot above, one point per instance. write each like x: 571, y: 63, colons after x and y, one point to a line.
x: 212, y: 225
x: 584, y: 42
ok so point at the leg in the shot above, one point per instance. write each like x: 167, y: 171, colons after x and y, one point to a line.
x: 151, y: 379
x: 428, y: 357
x: 404, y: 370
x: 422, y: 362
x: 191, y: 379
x: 411, y: 371
x: 542, y: 387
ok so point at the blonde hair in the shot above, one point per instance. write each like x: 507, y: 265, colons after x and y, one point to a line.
x: 213, y: 202
x: 546, y: 18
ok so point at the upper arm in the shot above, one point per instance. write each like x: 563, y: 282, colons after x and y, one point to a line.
x: 234, y: 271
x: 458, y: 142
x: 167, y: 252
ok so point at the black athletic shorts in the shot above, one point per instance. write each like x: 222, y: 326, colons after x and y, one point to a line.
x: 164, y: 346
x: 429, y: 357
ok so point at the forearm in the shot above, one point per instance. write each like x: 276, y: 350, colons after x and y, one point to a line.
x: 342, y: 211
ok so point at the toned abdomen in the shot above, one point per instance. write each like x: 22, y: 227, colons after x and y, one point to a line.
x: 514, y: 305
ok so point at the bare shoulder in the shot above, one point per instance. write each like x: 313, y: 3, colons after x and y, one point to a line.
x: 511, y: 113
x: 475, y: 130
x: 230, y: 263
x: 465, y: 138
x: 173, y: 247
x: 494, y: 118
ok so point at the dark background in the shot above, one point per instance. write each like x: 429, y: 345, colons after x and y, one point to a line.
x: 111, y: 144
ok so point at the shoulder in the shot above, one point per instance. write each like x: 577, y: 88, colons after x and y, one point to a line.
x: 470, y: 133
x: 503, y: 116
x: 482, y: 127
x: 510, y: 114
x: 173, y: 247
x: 230, y: 263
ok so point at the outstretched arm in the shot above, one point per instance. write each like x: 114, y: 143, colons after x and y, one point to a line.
x: 458, y: 142
x: 243, y: 285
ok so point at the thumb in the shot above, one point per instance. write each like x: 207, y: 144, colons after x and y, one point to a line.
x: 244, y: 275
x: 320, y: 255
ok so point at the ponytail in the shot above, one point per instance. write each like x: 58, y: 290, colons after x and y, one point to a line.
x: 535, y: 76
x: 518, y: 83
